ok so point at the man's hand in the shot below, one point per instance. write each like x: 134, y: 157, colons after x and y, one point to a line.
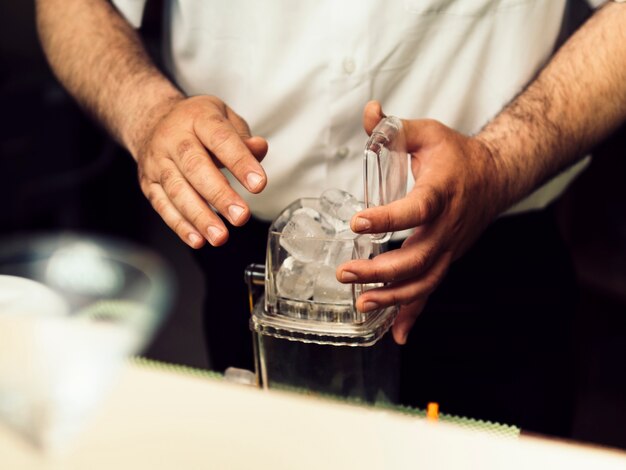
x: 179, y: 143
x: 449, y: 206
x: 462, y: 182
x: 179, y: 161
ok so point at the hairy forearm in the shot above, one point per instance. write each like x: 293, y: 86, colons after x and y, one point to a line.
x: 101, y: 61
x: 576, y: 101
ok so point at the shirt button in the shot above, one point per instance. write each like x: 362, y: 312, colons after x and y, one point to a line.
x: 348, y: 66
x: 342, y: 152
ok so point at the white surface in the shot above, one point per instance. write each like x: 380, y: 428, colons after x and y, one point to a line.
x: 53, y: 372
x: 22, y: 296
x: 53, y: 366
x: 159, y: 420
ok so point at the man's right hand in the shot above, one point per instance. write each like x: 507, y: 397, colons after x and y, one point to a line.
x: 179, y: 160
x: 179, y: 143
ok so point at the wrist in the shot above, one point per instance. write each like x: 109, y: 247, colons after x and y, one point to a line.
x: 151, y: 106
x: 496, y: 176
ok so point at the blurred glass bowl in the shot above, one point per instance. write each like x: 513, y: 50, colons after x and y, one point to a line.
x: 72, y: 308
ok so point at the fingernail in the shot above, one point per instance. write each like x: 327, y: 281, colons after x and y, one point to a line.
x: 361, y: 224
x: 214, y: 233
x: 401, y: 337
x: 254, y: 180
x: 369, y: 306
x: 194, y: 238
x: 235, y: 212
x: 347, y: 276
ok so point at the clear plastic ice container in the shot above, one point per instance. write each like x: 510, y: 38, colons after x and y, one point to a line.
x: 308, y: 333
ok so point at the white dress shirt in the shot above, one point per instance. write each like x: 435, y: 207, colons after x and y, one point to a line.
x: 300, y: 73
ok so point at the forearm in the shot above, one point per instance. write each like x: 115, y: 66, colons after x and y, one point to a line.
x: 101, y: 61
x: 576, y: 101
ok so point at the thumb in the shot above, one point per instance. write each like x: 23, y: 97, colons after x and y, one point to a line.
x: 418, y: 132
x: 372, y: 114
x: 257, y: 145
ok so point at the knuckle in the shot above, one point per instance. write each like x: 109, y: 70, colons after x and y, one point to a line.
x: 394, y: 272
x: 429, y: 203
x: 218, y: 137
x: 151, y: 194
x: 377, y: 272
x: 166, y: 175
x: 418, y: 261
x: 192, y: 163
x: 183, y: 148
x: 238, y: 165
x: 436, y: 200
x: 386, y: 220
x: 196, y: 217
x: 394, y: 297
x: 172, y: 183
x: 159, y: 203
x: 179, y: 227
x: 176, y: 187
x: 218, y: 195
x: 214, y: 120
x: 388, y: 272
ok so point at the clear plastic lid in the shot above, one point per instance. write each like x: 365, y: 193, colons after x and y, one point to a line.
x: 385, y: 165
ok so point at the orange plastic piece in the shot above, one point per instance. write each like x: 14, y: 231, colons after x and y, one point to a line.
x: 432, y: 411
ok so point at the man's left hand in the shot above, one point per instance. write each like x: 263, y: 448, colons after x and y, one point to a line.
x: 454, y: 198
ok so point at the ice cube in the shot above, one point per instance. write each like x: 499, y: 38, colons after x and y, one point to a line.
x: 328, y: 227
x: 295, y: 280
x: 338, y: 251
x: 308, y: 211
x: 279, y: 222
x: 339, y: 204
x: 303, y: 236
x: 351, y: 247
x: 328, y: 289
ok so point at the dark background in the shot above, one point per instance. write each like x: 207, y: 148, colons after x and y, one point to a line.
x: 59, y: 170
